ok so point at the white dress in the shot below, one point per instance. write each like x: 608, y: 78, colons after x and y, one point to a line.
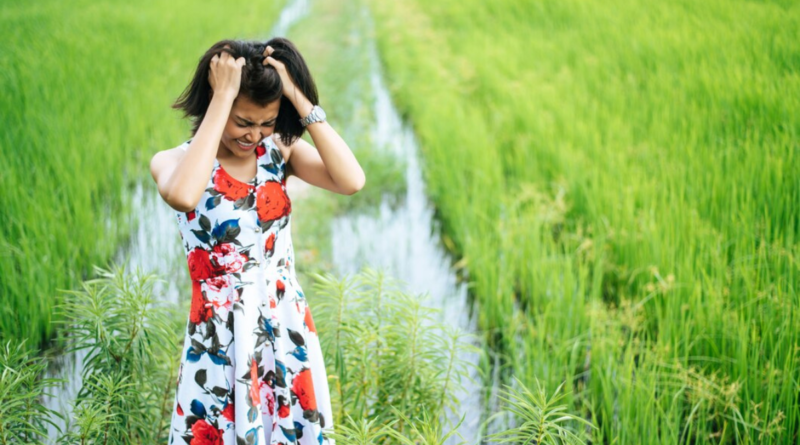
x: 252, y: 370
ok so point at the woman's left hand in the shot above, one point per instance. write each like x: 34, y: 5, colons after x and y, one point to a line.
x: 290, y: 90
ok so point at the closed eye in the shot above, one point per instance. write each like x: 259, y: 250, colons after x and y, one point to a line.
x: 265, y: 124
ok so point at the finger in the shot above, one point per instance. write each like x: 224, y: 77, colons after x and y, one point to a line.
x: 270, y: 50
x: 241, y: 61
x: 276, y: 63
x: 215, y: 59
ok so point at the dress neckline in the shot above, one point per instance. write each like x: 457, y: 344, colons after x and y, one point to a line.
x: 250, y: 182
x: 253, y: 181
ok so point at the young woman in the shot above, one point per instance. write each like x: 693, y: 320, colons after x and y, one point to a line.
x: 251, y: 370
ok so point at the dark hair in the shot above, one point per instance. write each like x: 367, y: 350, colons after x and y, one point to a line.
x: 260, y: 83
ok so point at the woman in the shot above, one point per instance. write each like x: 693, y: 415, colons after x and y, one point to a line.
x: 251, y: 370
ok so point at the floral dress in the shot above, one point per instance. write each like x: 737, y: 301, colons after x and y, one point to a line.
x: 251, y: 370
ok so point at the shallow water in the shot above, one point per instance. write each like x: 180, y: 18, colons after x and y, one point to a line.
x: 404, y: 239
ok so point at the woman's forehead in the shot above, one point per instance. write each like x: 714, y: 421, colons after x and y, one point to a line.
x: 253, y: 112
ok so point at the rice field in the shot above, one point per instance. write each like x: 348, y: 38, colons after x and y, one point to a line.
x: 621, y: 181
x: 85, y: 94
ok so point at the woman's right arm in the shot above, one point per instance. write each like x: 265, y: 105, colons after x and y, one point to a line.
x: 182, y: 176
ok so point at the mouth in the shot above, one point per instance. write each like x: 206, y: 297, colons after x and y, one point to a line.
x: 245, y: 146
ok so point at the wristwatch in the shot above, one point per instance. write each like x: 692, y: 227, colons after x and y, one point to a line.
x: 317, y: 114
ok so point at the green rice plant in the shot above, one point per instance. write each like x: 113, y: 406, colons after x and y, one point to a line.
x: 623, y: 174
x: 85, y: 94
x: 133, y: 348
x: 388, y: 358
x: 23, y: 419
x: 96, y: 417
x: 360, y: 432
x: 426, y: 431
x: 541, y: 420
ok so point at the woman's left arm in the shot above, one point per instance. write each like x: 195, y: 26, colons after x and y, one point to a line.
x: 329, y: 163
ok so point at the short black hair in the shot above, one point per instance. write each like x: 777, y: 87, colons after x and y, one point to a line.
x: 260, y: 83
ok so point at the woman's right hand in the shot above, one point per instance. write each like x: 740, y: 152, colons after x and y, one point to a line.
x: 225, y: 73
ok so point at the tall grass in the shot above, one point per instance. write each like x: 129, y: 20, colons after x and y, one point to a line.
x: 85, y: 89
x: 133, y: 344
x: 388, y: 358
x: 23, y: 419
x: 394, y: 371
x: 625, y: 175
x: 127, y: 374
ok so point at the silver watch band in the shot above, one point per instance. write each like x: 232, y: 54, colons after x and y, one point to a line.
x: 317, y: 114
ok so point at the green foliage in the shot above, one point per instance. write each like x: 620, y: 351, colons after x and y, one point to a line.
x: 334, y: 40
x: 85, y: 100
x: 388, y: 357
x: 542, y: 421
x: 426, y: 431
x: 23, y: 419
x: 620, y: 179
x: 133, y: 352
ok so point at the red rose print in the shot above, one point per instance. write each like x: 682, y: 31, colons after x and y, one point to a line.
x: 199, y: 312
x: 267, y: 393
x: 217, y: 283
x: 283, y: 408
x: 224, y: 248
x: 235, y: 263
x: 228, y: 411
x: 216, y: 293
x: 280, y: 289
x: 227, y: 259
x: 303, y: 388
x: 310, y: 321
x: 180, y: 410
x: 261, y: 150
x: 200, y: 267
x: 269, y: 246
x: 230, y: 188
x: 255, y: 384
x: 272, y: 202
x: 191, y: 215
x: 205, y: 434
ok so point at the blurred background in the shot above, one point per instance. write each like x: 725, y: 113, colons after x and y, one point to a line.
x: 607, y: 194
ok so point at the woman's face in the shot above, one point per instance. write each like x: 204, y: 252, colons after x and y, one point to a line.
x: 247, y: 125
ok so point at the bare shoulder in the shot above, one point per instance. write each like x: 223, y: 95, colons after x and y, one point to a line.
x: 164, y: 160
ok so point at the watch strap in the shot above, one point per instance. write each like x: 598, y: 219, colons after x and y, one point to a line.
x: 316, y: 115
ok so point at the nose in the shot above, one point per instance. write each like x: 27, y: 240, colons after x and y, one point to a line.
x: 255, y: 135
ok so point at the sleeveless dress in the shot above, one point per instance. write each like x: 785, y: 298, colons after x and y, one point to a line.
x: 252, y: 369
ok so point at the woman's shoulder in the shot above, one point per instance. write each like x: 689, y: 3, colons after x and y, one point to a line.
x: 183, y: 146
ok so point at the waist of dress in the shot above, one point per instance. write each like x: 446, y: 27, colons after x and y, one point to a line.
x: 204, y: 264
